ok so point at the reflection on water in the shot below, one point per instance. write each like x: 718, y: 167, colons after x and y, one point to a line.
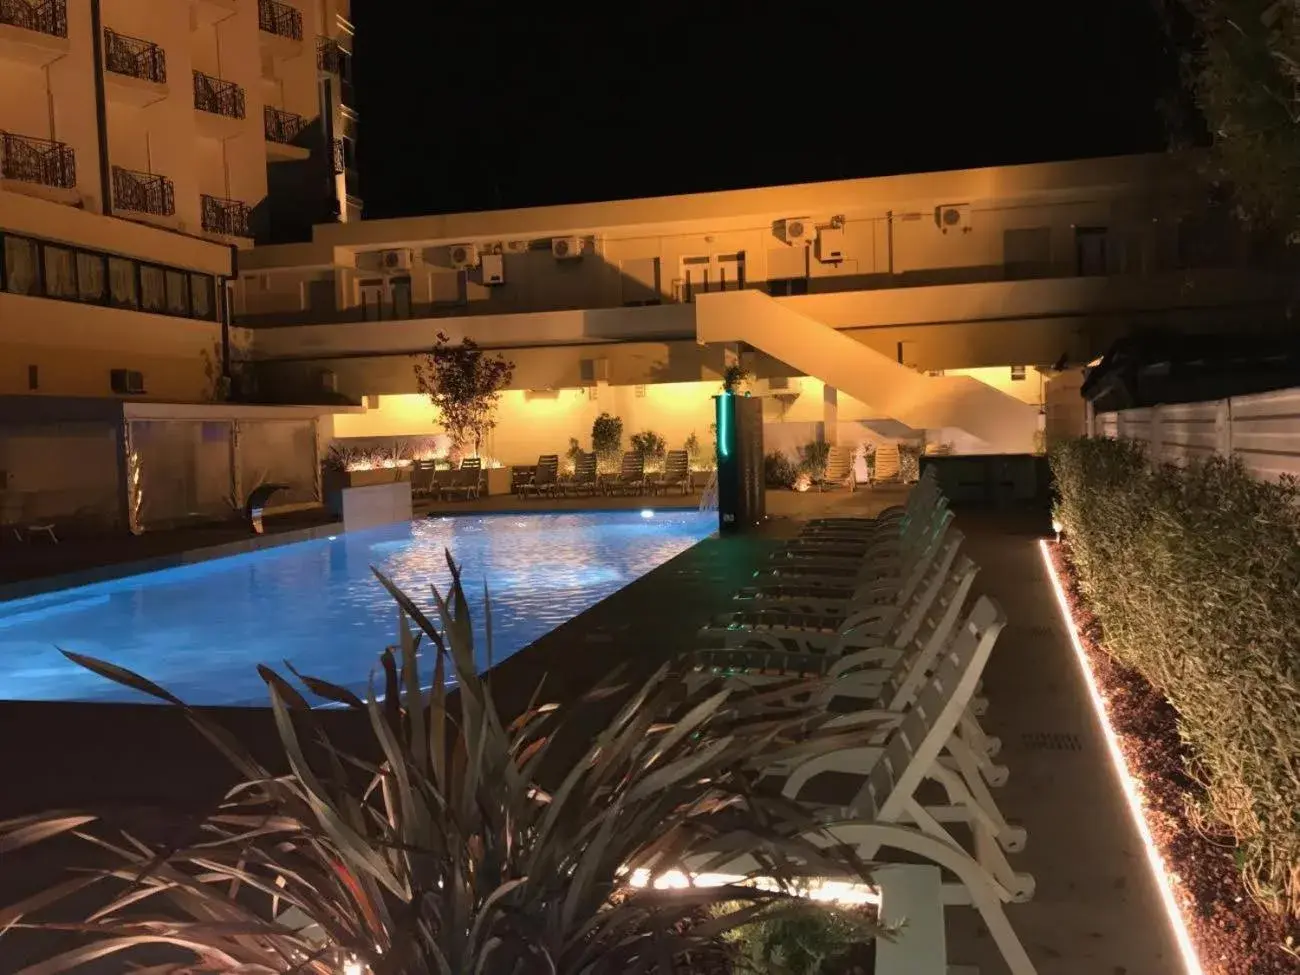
x: 200, y: 630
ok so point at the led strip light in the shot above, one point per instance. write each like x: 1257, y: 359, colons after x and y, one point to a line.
x: 1191, y: 963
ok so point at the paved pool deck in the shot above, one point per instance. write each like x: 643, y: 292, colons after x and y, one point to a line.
x: 1095, y: 912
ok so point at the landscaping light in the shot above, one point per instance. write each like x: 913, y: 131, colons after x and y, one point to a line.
x: 845, y: 893
x: 647, y: 513
x: 1191, y: 963
x: 353, y: 967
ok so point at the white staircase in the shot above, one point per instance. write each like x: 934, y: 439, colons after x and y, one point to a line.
x: 1003, y: 423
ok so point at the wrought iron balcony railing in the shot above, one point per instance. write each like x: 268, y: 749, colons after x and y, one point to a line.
x: 37, y: 161
x: 218, y: 96
x: 280, y: 19
x: 134, y: 57
x: 338, y: 158
x: 229, y: 217
x: 143, y: 192
x: 281, y: 126
x: 329, y: 55
x: 44, y: 16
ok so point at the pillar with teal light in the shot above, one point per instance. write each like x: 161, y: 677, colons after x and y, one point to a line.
x: 741, y: 491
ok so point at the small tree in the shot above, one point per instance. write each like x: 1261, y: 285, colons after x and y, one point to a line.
x: 464, y: 384
x: 607, y: 438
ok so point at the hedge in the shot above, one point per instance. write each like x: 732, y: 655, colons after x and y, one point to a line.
x: 1194, y: 575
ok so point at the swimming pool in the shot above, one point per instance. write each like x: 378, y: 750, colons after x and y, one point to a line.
x: 200, y: 630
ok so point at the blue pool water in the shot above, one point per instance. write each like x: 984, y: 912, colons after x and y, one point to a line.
x: 200, y: 630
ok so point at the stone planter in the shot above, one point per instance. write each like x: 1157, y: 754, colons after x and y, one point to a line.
x: 498, y: 480
x: 333, y: 483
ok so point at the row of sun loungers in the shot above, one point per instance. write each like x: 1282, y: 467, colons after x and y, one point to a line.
x: 880, y: 611
x: 544, y: 480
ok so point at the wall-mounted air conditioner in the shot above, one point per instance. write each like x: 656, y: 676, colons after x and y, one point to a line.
x: 463, y: 255
x: 953, y: 218
x: 516, y: 246
x: 128, y: 382
x: 566, y: 248
x: 494, y: 269
x: 798, y: 230
x: 395, y: 260
x: 830, y: 245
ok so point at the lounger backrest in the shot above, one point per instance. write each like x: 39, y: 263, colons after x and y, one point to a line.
x: 548, y: 469
x: 937, y: 630
x: 914, y: 746
x: 839, y: 463
x: 888, y: 462
x: 633, y: 465
x: 927, y: 585
x: 422, y: 472
x: 677, y: 464
x: 584, y: 468
x: 471, y: 464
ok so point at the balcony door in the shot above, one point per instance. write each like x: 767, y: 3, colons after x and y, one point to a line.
x: 372, y: 296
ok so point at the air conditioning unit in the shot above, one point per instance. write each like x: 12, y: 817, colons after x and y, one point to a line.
x: 129, y: 382
x: 953, y: 218
x: 594, y: 370
x: 566, y: 248
x: 517, y: 246
x: 799, y: 230
x: 398, y: 260
x: 778, y: 383
x: 830, y: 245
x: 494, y: 269
x: 463, y: 255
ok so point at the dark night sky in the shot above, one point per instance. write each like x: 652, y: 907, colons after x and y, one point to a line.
x: 467, y: 107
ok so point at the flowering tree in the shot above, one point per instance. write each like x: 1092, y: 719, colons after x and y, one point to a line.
x: 464, y: 383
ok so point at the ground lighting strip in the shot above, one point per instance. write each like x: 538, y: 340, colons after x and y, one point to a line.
x: 1191, y: 963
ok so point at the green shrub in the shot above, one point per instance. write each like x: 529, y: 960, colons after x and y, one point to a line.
x: 779, y: 471
x: 813, y: 457
x: 607, y: 440
x: 1194, y: 576
x: 800, y: 942
x: 649, y: 444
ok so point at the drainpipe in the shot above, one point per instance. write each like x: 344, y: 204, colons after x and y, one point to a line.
x: 226, y: 316
x: 101, y: 111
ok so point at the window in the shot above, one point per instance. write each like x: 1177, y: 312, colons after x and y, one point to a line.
x: 203, y: 296
x: 401, y: 290
x: 91, y: 281
x: 60, y: 272
x: 349, y: 153
x: 21, y: 277
x: 1090, y: 249
x: 178, y: 299
x: 1027, y: 253
x: 153, y: 288
x: 122, y: 283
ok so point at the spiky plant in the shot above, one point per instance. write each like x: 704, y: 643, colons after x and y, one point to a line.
x: 440, y: 852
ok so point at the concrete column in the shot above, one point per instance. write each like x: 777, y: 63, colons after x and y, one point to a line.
x: 1223, y: 428
x: 831, y: 414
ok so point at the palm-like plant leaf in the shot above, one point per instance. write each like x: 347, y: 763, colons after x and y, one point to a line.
x: 444, y: 850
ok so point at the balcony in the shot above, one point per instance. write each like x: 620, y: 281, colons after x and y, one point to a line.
x: 33, y: 31
x: 329, y: 56
x: 226, y: 218
x: 220, y: 106
x: 146, y: 193
x: 135, y: 70
x: 280, y: 27
x: 338, y: 158
x: 38, y: 167
x: 281, y: 129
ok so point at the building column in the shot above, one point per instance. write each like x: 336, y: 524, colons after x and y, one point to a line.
x: 830, y: 414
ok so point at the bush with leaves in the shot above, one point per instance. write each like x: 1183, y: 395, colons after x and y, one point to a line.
x: 607, y: 440
x: 1194, y: 576
x: 813, y: 942
x: 813, y: 457
x: 442, y: 847
x: 779, y: 471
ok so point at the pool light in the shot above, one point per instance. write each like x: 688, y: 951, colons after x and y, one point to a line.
x: 647, y: 513
x: 1183, y: 938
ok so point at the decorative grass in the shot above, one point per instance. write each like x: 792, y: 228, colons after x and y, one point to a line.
x: 1194, y: 575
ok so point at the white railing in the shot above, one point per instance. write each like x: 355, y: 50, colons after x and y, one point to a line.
x: 1263, y: 429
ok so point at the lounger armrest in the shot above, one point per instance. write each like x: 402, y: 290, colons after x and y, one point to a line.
x: 879, y: 718
x: 872, y: 657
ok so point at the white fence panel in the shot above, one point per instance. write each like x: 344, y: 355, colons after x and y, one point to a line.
x: 1263, y: 429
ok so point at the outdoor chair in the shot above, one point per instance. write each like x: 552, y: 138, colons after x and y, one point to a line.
x: 889, y: 465
x: 546, y: 478
x: 423, y: 473
x: 839, y: 471
x: 885, y: 814
x: 585, y: 479
x: 465, y: 482
x: 13, y: 518
x: 631, y: 476
x: 676, y: 473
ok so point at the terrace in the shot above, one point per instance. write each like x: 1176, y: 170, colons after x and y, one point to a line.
x: 580, y: 575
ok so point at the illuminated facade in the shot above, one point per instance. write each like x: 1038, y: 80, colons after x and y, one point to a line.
x: 930, y: 302
x: 152, y: 139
